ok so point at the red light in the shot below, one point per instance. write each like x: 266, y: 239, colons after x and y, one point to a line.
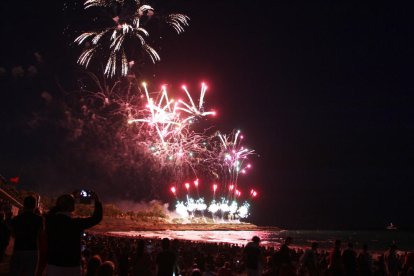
x: 173, y: 190
x: 214, y: 187
x: 187, y: 186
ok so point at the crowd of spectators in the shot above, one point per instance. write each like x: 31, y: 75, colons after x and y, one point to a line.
x: 143, y: 256
x: 57, y: 244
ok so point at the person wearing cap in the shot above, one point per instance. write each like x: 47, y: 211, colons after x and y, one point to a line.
x: 253, y: 257
x: 63, y: 234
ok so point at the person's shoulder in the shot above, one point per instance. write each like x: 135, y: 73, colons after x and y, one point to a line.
x: 38, y: 218
x: 14, y: 219
x: 249, y: 244
x: 56, y: 217
x: 17, y: 219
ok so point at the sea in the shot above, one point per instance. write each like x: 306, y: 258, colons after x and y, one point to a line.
x: 377, y: 241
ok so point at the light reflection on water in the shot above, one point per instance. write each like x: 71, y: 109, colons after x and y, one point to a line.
x: 376, y: 240
x: 234, y: 237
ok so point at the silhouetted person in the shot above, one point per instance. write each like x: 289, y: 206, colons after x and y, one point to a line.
x: 284, y: 259
x: 349, y: 260
x: 106, y: 269
x: 408, y: 265
x: 93, y: 265
x: 379, y: 266
x: 4, y: 236
x: 63, y: 233
x: 209, y: 271
x: 26, y: 229
x: 335, y: 267
x: 123, y: 261
x: 141, y: 261
x: 195, y: 271
x: 309, y: 261
x: 364, y: 262
x: 391, y: 261
x: 225, y: 270
x: 252, y: 257
x: 166, y: 259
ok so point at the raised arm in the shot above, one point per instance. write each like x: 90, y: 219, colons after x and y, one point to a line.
x: 85, y: 223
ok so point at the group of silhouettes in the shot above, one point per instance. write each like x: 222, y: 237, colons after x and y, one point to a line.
x: 55, y: 244
x: 48, y: 244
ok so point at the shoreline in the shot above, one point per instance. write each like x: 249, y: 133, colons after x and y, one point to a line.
x: 116, y: 224
x: 227, y: 232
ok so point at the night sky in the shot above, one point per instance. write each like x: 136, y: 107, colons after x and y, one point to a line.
x: 323, y: 93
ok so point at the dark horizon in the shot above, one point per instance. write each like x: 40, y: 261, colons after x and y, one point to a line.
x: 322, y: 92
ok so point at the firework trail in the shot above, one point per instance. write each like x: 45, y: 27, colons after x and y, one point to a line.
x: 126, y: 31
x: 232, y: 158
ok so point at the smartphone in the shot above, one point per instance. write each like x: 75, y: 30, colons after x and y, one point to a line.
x: 85, y: 196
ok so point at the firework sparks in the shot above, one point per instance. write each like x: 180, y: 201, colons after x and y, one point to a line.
x: 167, y: 126
x: 243, y: 210
x: 123, y: 34
x: 232, y: 156
x: 228, y: 210
x: 164, y: 128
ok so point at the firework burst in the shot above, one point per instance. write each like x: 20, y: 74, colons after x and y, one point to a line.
x: 229, y: 160
x: 170, y: 129
x: 127, y: 31
x: 167, y: 126
x: 222, y: 209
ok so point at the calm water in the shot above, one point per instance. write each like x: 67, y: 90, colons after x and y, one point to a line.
x: 376, y: 240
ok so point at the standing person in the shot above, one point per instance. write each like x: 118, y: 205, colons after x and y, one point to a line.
x: 349, y: 259
x: 166, y: 259
x: 106, y: 269
x: 253, y: 257
x: 364, y: 262
x: 335, y: 267
x: 309, y: 261
x: 284, y: 259
x: 123, y: 260
x: 63, y: 234
x: 391, y: 261
x: 225, y: 270
x: 141, y: 262
x: 4, y: 236
x: 93, y: 265
x: 26, y: 229
x: 408, y: 265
